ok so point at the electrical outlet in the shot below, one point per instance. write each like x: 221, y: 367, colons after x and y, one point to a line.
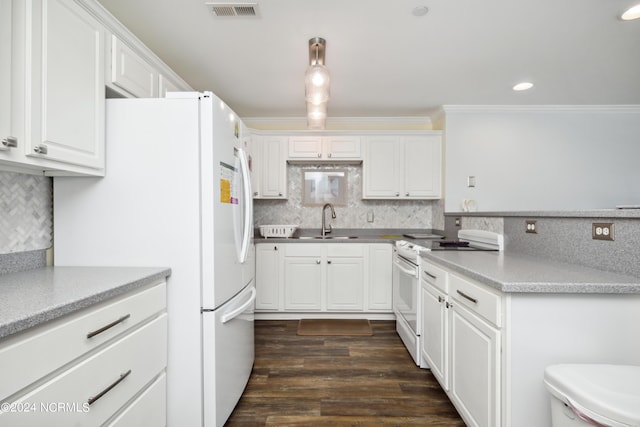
x: 458, y: 222
x: 602, y: 231
x: 531, y: 226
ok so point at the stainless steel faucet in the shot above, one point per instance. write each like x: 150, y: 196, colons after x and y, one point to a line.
x: 327, y: 229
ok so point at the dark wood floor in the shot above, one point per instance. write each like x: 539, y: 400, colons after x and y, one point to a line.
x: 338, y: 381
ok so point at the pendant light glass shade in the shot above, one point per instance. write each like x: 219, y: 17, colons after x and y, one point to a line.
x: 316, y: 84
x: 316, y: 115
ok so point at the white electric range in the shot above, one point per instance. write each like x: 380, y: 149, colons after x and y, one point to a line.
x: 406, y: 279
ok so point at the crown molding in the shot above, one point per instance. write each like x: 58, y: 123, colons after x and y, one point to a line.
x: 342, y: 123
x: 631, y: 108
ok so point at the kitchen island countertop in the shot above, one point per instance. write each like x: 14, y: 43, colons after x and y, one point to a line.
x: 33, y: 297
x: 519, y: 273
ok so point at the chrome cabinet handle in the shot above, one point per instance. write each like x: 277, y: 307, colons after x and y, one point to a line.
x: 255, y: 193
x: 398, y: 194
x: 40, y: 149
x: 407, y: 194
x: 93, y: 399
x: 319, y: 155
x: 275, y: 248
x: 463, y: 295
x: 329, y: 262
x: 10, y: 141
x: 440, y: 299
x: 329, y: 154
x: 317, y: 261
x: 109, y: 326
x: 430, y: 275
x: 280, y: 194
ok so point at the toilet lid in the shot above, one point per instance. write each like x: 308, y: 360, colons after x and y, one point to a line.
x: 609, y: 394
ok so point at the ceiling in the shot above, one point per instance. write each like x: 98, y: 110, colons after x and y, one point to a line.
x: 386, y: 62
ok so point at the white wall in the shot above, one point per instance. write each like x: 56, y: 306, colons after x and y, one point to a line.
x: 542, y: 158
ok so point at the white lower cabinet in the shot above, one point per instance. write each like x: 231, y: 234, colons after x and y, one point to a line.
x: 434, y: 338
x: 461, y: 342
x: 380, y: 274
x: 102, y: 364
x: 323, y: 277
x: 345, y: 283
x: 475, y: 367
x: 268, y: 274
x: 489, y: 349
x: 303, y: 281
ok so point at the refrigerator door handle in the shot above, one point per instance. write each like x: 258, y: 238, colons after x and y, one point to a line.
x: 234, y: 313
x: 247, y: 203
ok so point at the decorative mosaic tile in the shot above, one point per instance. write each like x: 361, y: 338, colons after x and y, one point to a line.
x: 386, y: 213
x: 26, y: 212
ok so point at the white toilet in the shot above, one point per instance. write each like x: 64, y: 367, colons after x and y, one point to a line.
x: 594, y: 395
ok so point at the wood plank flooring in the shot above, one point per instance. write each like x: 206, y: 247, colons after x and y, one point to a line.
x: 306, y: 381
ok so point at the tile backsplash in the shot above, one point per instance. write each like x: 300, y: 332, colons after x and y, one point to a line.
x: 386, y: 213
x: 26, y: 212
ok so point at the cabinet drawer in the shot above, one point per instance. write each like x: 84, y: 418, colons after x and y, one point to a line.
x: 148, y: 409
x: 303, y: 249
x: 345, y: 250
x: 434, y: 275
x: 110, y: 377
x: 65, y: 339
x: 477, y: 298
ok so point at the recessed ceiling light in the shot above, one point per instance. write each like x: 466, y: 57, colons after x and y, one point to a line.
x: 631, y: 13
x: 522, y: 86
x: 420, y: 10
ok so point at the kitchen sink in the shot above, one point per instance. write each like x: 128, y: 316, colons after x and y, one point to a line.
x: 326, y: 237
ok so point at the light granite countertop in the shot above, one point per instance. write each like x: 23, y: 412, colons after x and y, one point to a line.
x: 513, y: 272
x: 30, y: 298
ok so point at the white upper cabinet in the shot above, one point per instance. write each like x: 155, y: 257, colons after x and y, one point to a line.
x: 269, y: 166
x: 402, y: 167
x: 6, y: 140
x: 166, y: 84
x: 324, y: 148
x: 130, y: 72
x: 58, y: 87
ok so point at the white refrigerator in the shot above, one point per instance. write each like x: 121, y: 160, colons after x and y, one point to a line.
x: 177, y: 193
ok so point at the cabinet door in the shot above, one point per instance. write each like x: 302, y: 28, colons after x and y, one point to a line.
x: 66, y: 83
x: 305, y: 147
x: 274, y: 167
x: 131, y: 72
x: 342, y: 147
x: 303, y: 283
x: 434, y: 340
x: 475, y: 368
x: 5, y: 72
x: 267, y: 277
x: 422, y: 167
x: 345, y: 283
x: 381, y: 167
x: 379, y: 287
x: 166, y: 85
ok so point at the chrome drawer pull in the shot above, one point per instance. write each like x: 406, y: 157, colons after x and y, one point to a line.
x: 93, y: 399
x: 109, y: 326
x: 430, y: 275
x: 463, y: 295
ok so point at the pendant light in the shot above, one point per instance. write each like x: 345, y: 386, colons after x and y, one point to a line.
x: 316, y: 85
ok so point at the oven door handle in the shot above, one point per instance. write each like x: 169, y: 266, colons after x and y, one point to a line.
x: 411, y: 273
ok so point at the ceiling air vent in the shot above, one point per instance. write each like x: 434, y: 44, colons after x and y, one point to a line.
x: 223, y: 8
